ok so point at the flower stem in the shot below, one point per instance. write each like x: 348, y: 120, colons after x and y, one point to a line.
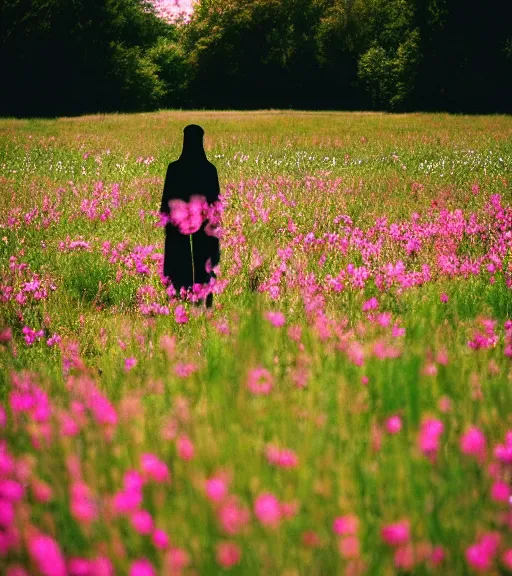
x: 192, y: 256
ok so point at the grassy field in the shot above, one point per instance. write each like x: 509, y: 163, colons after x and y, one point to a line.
x: 344, y: 408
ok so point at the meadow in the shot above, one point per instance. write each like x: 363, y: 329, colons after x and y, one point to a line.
x: 345, y: 406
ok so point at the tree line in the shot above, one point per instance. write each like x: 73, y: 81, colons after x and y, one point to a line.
x: 66, y: 57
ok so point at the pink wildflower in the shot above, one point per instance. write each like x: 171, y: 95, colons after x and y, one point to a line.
x: 481, y: 555
x: 16, y: 570
x: 177, y: 559
x: 6, y: 460
x: 310, y: 539
x: 288, y: 459
x: 6, y: 513
x: 228, y: 554
x: 46, y: 555
x: 268, y: 510
x: 142, y: 521
x: 443, y: 298
x: 68, y: 425
x: 185, y: 447
x: 346, y: 525
x: 500, y: 491
x: 384, y: 319
x: 349, y: 547
x: 232, y: 516
x: 216, y: 489
x: 180, y: 315
x: 79, y: 567
x: 295, y: 332
x: 102, y: 409
x: 478, y: 558
x: 397, y: 331
x: 403, y: 558
x: 55, y: 339
x: 490, y: 542
x: 394, y: 424
x: 289, y: 509
x: 445, y: 404
x: 503, y: 452
x: 437, y: 556
x: 185, y: 370
x: 277, y: 319
x: 371, y: 304
x: 473, y: 443
x: 396, y: 534
x: 154, y: 468
x: 506, y: 559
x: 142, y: 568
x: 133, y: 481
x: 130, y: 363
x: 5, y: 335
x: 168, y: 345
x: 83, y: 506
x: 430, y: 369
x: 188, y: 217
x: 160, y: 539
x: 259, y: 381
x: 125, y: 501
x: 11, y: 490
x: 442, y: 357
x: 41, y: 491
x: 283, y: 458
x: 430, y: 432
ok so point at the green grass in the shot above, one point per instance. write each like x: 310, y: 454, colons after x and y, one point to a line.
x: 274, y: 167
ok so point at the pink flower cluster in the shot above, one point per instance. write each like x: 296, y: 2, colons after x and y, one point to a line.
x: 429, y: 436
x: 102, y: 203
x: 30, y: 335
x: 270, y: 512
x: 260, y: 381
x: 480, y: 556
x: 283, y: 458
x: 22, y: 287
x: 346, y: 527
x: 486, y: 339
x: 190, y: 216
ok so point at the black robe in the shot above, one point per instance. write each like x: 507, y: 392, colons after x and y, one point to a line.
x: 192, y: 174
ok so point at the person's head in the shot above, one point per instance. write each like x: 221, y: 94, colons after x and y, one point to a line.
x: 193, y: 141
x: 193, y: 131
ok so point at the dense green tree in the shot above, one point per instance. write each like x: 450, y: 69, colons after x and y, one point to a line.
x: 256, y: 53
x: 339, y: 38
x: 389, y: 75
x: 389, y: 51
x: 70, y: 56
x: 74, y: 56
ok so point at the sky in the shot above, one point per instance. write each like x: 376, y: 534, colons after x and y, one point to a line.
x: 169, y: 9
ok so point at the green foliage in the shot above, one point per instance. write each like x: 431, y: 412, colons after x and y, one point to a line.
x: 86, y: 277
x: 135, y: 75
x: 389, y: 77
x: 169, y: 59
x: 81, y: 56
x: 114, y: 55
x: 375, y: 71
x: 242, y: 47
x: 90, y: 280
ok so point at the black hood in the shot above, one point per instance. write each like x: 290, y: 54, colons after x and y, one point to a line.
x: 193, y: 144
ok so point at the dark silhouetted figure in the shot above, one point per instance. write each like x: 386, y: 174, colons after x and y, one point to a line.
x: 192, y: 174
